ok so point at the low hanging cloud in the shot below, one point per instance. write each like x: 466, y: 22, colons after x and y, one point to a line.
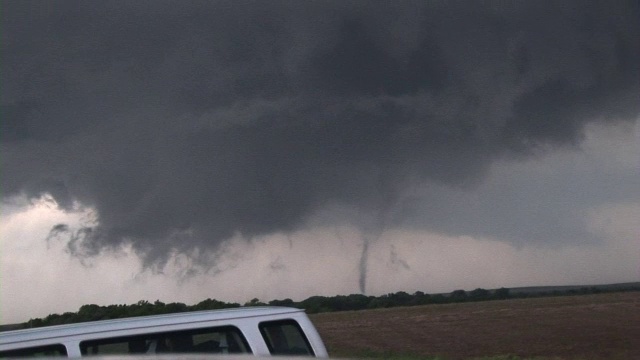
x: 186, y: 124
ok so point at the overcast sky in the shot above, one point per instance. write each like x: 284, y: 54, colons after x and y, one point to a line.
x: 237, y: 149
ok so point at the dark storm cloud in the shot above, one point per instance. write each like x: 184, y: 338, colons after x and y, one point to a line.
x: 185, y: 123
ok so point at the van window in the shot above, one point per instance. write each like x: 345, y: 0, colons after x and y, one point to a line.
x: 285, y: 338
x: 219, y: 340
x: 39, y: 351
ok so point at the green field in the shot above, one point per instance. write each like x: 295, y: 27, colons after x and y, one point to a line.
x: 601, y: 326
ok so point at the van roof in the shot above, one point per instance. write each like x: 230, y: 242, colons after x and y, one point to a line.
x: 192, y: 317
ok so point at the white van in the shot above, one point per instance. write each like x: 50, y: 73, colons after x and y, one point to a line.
x: 261, y: 331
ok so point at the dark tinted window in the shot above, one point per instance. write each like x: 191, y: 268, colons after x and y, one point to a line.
x: 48, y: 350
x: 220, y: 340
x: 285, y: 338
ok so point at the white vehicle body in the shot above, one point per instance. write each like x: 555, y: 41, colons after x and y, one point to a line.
x: 261, y: 331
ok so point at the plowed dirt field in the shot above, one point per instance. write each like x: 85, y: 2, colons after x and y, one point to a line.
x: 602, y: 326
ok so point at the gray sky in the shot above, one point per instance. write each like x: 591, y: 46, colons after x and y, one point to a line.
x: 289, y: 149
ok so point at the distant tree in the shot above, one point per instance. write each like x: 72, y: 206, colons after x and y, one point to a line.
x: 420, y: 298
x: 502, y: 293
x: 439, y: 299
x: 174, y: 308
x: 212, y: 304
x: 377, y: 303
x: 117, y: 311
x: 400, y: 298
x: 479, y: 294
x: 34, y: 323
x: 357, y: 301
x: 65, y: 318
x: 254, y: 302
x: 383, y: 301
x: 141, y: 308
x: 90, y: 312
x: 458, y: 296
x: 285, y: 302
x: 316, y: 304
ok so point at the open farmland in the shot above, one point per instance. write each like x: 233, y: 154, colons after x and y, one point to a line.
x: 602, y: 326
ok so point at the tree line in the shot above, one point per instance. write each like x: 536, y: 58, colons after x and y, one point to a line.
x: 314, y: 304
